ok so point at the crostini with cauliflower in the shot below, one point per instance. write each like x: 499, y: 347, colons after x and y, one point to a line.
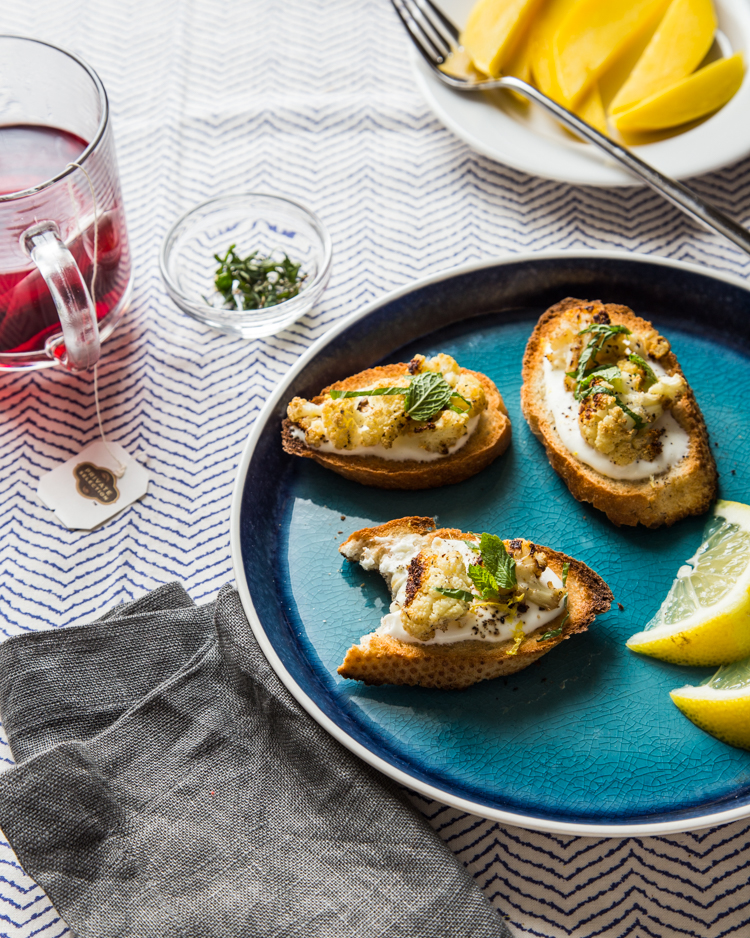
x: 414, y: 425
x: 466, y: 607
x: 620, y: 424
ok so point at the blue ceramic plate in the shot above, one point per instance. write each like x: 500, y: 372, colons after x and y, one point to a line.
x: 586, y: 741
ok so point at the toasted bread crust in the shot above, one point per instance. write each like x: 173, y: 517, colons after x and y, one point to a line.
x: 489, y: 439
x: 688, y: 488
x: 382, y: 659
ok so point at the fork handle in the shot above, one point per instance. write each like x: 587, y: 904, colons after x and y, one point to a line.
x: 675, y: 192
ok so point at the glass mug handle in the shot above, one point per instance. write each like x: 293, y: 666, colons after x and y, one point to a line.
x: 80, y: 330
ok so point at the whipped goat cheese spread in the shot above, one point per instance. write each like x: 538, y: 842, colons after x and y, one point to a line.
x: 402, y: 448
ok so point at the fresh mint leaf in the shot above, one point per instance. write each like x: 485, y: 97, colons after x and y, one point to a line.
x: 460, y: 410
x: 429, y: 393
x: 256, y: 282
x: 605, y: 330
x: 506, y: 572
x: 498, y: 561
x: 463, y: 595
x: 607, y: 373
x: 600, y: 389
x: 484, y: 581
x: 644, y: 366
x: 371, y: 392
x: 554, y: 632
x: 425, y: 396
x: 587, y: 355
x: 601, y: 332
x: 491, y: 547
x: 596, y: 389
x: 639, y: 422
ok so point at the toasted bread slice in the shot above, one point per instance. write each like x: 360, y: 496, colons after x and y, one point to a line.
x: 383, y: 659
x: 687, y: 488
x: 489, y: 439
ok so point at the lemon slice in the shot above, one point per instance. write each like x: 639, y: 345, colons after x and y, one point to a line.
x: 705, y: 618
x: 721, y: 705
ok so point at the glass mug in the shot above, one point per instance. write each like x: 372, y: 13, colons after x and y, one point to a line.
x: 65, y: 269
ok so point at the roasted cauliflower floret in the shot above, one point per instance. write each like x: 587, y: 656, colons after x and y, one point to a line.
x: 611, y: 430
x: 668, y: 388
x: 309, y: 417
x: 531, y: 566
x: 605, y: 426
x: 437, y: 436
x: 316, y: 434
x: 444, y: 364
x: 565, y: 344
x: 363, y: 421
x: 633, y: 376
x: 424, y: 609
x: 303, y: 412
x: 471, y: 389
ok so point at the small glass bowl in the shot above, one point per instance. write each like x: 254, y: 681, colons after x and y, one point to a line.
x: 252, y: 221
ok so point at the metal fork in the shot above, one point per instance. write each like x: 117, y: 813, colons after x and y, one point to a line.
x: 436, y: 37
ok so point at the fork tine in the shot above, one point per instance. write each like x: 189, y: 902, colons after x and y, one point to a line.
x: 452, y: 29
x: 422, y: 40
x: 421, y: 17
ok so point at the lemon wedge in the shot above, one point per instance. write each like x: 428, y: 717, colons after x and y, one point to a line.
x: 705, y: 618
x: 721, y: 705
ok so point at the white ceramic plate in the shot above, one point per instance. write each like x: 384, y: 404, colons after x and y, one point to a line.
x: 527, y: 139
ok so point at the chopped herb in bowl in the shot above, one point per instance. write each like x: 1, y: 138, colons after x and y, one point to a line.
x: 256, y: 282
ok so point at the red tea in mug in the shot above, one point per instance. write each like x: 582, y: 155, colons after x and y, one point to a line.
x: 31, y: 155
x: 65, y: 275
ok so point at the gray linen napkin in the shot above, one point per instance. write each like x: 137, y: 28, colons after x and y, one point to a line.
x: 169, y: 786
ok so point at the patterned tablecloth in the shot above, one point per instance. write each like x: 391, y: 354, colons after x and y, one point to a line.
x: 314, y: 99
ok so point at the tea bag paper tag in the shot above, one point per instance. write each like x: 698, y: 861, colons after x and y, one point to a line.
x: 85, y: 491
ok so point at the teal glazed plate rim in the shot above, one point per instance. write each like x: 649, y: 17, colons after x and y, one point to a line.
x: 587, y: 740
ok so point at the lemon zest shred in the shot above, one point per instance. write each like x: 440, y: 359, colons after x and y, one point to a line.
x: 486, y: 602
x: 507, y: 607
x: 519, y: 635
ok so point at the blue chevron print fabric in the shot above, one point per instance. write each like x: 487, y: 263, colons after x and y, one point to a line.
x: 313, y: 99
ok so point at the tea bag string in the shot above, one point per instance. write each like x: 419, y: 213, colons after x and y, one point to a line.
x: 119, y: 472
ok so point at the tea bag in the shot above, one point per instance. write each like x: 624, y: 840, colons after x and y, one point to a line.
x: 94, y: 486
x: 103, y: 479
